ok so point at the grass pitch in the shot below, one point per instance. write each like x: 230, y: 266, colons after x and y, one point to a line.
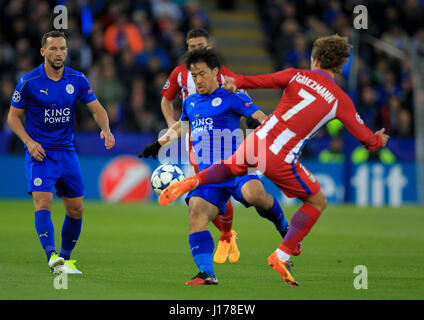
x: 140, y: 251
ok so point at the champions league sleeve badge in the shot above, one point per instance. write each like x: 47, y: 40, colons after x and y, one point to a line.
x: 16, y: 96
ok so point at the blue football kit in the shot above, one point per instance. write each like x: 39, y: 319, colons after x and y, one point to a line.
x: 215, y: 130
x: 49, y: 120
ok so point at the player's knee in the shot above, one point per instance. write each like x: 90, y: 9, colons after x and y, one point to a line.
x: 255, y: 194
x: 322, y: 201
x: 42, y: 204
x: 75, y: 212
x: 201, y: 212
x: 319, y: 201
x: 198, y: 217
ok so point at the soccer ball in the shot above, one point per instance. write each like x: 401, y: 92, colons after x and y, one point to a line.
x: 164, y: 176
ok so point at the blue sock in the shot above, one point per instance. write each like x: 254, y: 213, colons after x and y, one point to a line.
x: 70, y: 233
x: 45, y: 231
x: 275, y: 215
x: 201, y: 245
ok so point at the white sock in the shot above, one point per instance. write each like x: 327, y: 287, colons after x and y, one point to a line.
x: 282, y: 255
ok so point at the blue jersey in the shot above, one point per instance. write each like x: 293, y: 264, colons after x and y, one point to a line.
x: 49, y: 105
x: 215, y: 123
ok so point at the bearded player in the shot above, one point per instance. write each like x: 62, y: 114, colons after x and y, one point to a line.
x: 310, y: 100
x: 46, y: 96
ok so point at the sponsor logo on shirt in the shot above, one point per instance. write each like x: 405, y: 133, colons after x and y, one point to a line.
x: 202, y: 124
x: 59, y: 115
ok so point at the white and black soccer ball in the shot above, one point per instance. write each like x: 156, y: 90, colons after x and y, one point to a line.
x: 164, y: 176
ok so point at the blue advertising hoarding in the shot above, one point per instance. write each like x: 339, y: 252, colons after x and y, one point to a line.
x: 372, y: 184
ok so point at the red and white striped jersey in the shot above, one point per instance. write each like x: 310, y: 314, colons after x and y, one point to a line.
x: 181, y: 80
x: 311, y: 99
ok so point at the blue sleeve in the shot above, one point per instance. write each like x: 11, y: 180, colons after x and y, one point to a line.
x: 85, y: 94
x: 243, y: 105
x: 184, y: 116
x: 20, y: 95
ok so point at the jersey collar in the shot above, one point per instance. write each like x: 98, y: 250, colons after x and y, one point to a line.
x: 45, y: 77
x: 217, y: 91
x: 325, y: 74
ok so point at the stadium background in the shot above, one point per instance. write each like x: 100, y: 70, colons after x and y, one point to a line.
x: 128, y: 48
x: 139, y: 250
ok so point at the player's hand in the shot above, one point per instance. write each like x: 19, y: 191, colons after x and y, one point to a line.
x: 383, y: 136
x: 252, y: 123
x: 229, y: 84
x: 109, y: 139
x: 36, y: 150
x: 150, y: 150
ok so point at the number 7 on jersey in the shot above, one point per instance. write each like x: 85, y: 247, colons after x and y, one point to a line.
x: 307, y: 100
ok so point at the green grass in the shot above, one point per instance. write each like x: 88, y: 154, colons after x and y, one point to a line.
x: 140, y: 251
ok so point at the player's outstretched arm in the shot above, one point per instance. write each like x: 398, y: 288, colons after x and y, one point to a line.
x: 347, y: 114
x: 14, y: 121
x: 167, y: 111
x: 102, y: 120
x: 171, y: 135
x: 276, y: 80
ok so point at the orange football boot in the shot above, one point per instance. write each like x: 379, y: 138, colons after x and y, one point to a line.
x: 174, y: 191
x: 227, y: 249
x: 234, y: 253
x: 283, y: 268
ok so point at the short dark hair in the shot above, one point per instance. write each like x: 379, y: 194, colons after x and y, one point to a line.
x: 208, y: 56
x: 331, y: 52
x: 197, y: 33
x: 53, y: 34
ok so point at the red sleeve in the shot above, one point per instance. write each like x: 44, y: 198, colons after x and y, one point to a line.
x: 226, y: 72
x: 276, y: 80
x: 171, y: 87
x: 347, y: 114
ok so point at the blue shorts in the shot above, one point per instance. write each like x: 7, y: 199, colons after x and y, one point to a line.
x: 219, y: 194
x: 59, y: 169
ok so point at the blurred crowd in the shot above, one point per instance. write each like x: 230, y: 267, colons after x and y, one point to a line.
x: 126, y: 49
x: 384, y: 92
